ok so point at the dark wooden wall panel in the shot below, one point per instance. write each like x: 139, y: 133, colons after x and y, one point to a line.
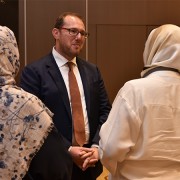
x: 119, y: 29
x: 41, y: 16
x: 142, y: 12
x: 9, y: 15
x: 119, y: 54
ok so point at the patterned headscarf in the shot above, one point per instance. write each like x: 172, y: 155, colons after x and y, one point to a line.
x: 162, y: 48
x: 9, y: 64
x: 24, y: 120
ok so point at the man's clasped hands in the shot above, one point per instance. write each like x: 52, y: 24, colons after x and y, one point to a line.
x: 84, y: 157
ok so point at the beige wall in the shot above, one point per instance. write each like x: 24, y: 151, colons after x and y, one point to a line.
x: 118, y: 30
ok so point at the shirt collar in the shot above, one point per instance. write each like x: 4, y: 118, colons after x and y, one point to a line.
x: 60, y: 60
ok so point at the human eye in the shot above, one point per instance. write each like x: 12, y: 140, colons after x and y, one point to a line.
x: 73, y: 31
x: 84, y: 33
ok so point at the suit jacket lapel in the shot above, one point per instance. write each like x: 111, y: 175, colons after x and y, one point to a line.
x: 58, y: 80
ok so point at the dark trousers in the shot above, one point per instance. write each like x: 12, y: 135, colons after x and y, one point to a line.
x: 89, y: 174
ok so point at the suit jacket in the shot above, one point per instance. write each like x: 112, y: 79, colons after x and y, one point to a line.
x: 43, y: 78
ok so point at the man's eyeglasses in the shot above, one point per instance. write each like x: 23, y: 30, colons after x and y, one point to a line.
x: 75, y: 32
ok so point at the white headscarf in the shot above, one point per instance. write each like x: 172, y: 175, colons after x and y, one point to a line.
x: 24, y: 120
x: 162, y: 48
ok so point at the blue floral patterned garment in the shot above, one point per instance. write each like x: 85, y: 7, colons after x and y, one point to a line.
x: 24, y: 120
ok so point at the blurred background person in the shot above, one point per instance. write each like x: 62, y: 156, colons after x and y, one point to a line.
x: 140, y: 139
x: 30, y: 147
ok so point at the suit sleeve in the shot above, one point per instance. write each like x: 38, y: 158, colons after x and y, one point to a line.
x: 104, y: 106
x: 30, y: 81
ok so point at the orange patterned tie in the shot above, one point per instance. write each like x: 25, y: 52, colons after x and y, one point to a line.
x: 76, y: 105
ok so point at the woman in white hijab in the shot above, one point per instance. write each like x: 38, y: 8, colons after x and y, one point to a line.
x: 26, y: 128
x: 141, y: 138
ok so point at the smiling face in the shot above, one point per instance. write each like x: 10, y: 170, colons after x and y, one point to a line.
x: 69, y: 45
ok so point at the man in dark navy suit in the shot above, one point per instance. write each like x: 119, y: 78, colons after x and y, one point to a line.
x: 48, y: 79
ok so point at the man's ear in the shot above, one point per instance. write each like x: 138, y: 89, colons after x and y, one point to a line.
x: 55, y: 33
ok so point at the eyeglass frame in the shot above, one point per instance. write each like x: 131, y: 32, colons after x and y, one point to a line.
x: 75, y: 32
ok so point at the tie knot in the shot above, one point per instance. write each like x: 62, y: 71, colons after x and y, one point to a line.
x: 70, y: 65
